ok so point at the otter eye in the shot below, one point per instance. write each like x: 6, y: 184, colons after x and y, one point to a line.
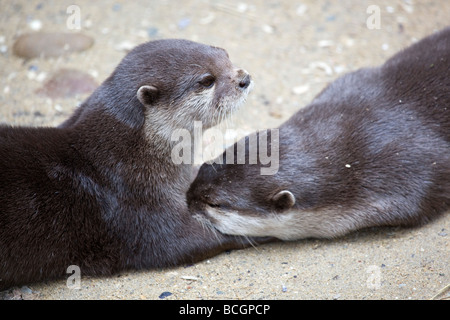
x: 214, y: 205
x: 207, y: 81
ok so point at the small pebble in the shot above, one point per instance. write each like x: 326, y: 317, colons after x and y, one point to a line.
x: 125, y: 46
x: 87, y: 23
x: 325, y: 43
x: 192, y: 278
x: 301, y: 9
x: 26, y: 290
x: 208, y: 19
x: 39, y: 44
x: 322, y: 66
x: 184, y: 23
x: 31, y: 75
x: 141, y: 34
x: 242, y: 7
x: 349, y: 42
x: 300, y: 89
x: 275, y: 114
x: 267, y: 28
x: 41, y: 76
x: 442, y: 233
x: 408, y: 6
x: 152, y: 32
x: 66, y: 83
x: 165, y: 294
x: 339, y: 69
x: 93, y: 73
x: 116, y: 7
x: 279, y: 100
x: 283, y: 288
x: 35, y: 25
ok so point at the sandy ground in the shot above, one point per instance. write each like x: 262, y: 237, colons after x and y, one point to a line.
x: 292, y: 49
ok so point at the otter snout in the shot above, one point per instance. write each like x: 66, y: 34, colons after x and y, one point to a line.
x: 244, y: 79
x: 245, y: 82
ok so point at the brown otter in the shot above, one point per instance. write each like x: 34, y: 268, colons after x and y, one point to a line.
x: 372, y: 149
x: 101, y: 191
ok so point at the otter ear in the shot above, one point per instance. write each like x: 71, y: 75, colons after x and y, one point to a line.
x: 147, y: 95
x: 283, y: 200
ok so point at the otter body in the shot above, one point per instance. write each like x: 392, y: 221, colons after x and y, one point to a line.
x: 372, y: 149
x: 101, y: 191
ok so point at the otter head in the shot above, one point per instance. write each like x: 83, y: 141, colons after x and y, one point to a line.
x: 166, y: 85
x: 236, y: 199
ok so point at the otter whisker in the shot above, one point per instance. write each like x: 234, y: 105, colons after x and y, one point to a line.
x: 208, y: 226
x: 251, y: 242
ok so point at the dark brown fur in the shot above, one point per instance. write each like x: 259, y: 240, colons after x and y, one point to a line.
x: 100, y: 191
x: 372, y: 149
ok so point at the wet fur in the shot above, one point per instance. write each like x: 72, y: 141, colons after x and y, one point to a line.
x: 100, y: 191
x: 372, y: 149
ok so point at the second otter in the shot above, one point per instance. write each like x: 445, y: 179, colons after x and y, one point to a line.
x: 372, y: 149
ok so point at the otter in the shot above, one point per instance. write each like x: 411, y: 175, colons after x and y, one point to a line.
x: 100, y: 191
x: 372, y: 149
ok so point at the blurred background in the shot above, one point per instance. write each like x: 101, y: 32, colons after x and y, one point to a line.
x: 292, y: 49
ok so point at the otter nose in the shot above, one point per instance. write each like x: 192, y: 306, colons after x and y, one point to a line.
x: 245, y: 82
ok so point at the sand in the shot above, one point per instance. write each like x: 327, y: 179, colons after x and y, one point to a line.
x: 292, y: 49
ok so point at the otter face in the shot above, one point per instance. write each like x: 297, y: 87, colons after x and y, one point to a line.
x: 182, y: 81
x: 293, y: 203
x: 238, y: 200
x: 230, y: 205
